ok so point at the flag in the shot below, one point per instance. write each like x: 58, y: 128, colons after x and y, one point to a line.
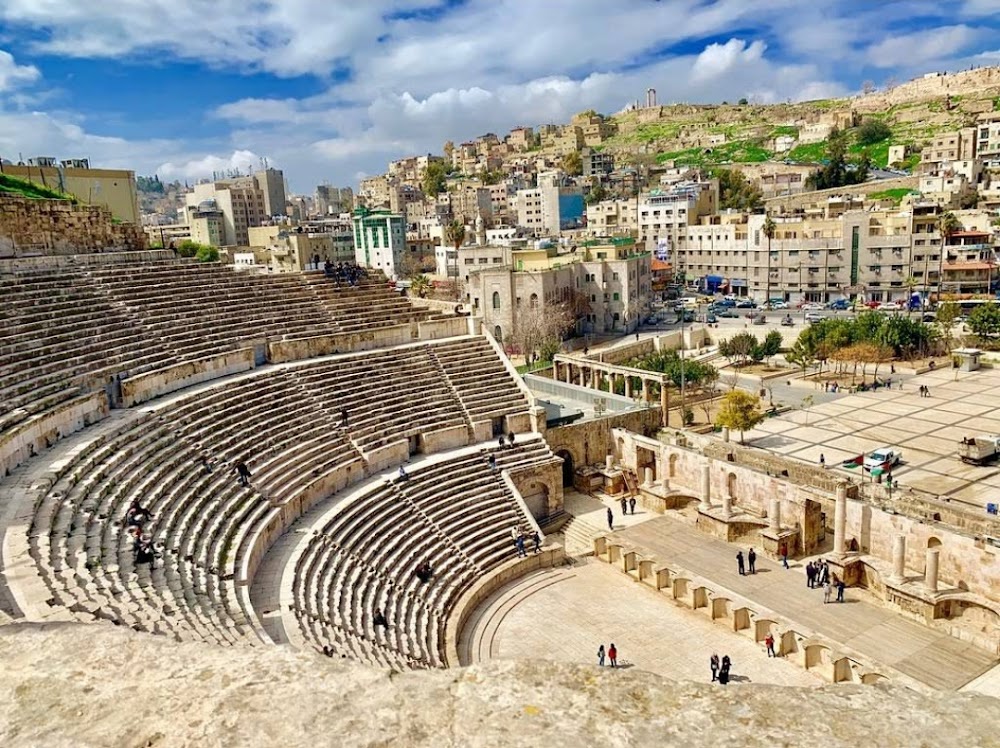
x: 854, y: 462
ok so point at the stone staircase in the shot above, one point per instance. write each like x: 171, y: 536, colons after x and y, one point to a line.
x: 579, y: 534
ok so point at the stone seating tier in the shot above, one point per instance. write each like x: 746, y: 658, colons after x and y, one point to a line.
x: 456, y: 514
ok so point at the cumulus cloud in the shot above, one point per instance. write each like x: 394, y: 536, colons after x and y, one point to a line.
x: 922, y: 46
x: 13, y: 75
x: 205, y: 166
x: 719, y: 59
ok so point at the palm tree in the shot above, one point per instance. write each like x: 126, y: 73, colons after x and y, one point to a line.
x: 419, y: 284
x: 910, y: 284
x: 948, y: 224
x: 769, y: 230
x: 455, y: 233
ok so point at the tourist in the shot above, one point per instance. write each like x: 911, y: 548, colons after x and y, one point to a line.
x: 136, y: 515
x: 600, y: 656
x: 822, y: 460
x: 783, y: 550
x: 810, y: 574
x: 824, y: 575
x: 206, y: 462
x: 613, y: 655
x: 402, y: 474
x: 752, y: 560
x: 631, y: 505
x: 493, y: 462
x: 611, y: 519
x: 840, y: 590
x: 502, y: 440
x: 380, y: 620
x: 713, y: 663
x: 424, y: 572
x: 510, y: 439
x: 343, y: 418
x: 144, y: 551
x: 538, y: 542
x: 244, y: 472
x: 521, y: 553
x: 827, y: 589
x: 769, y: 642
x: 328, y: 650
x: 739, y: 563
x: 624, y: 506
x: 515, y: 534
x: 724, y: 670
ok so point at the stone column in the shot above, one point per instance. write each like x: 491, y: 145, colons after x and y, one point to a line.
x: 840, y: 521
x: 727, y: 505
x: 899, y: 558
x: 774, y: 515
x: 706, y: 488
x: 725, y: 434
x: 664, y: 405
x: 609, y: 462
x: 931, y: 570
x: 580, y: 376
x: 645, y: 390
x: 569, y: 373
x: 647, y: 476
x: 628, y: 386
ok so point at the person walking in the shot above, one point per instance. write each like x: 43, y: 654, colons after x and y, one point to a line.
x: 538, y: 542
x: 713, y: 663
x: 631, y: 505
x: 611, y: 519
x: 784, y: 554
x: 724, y: 670
x: 824, y: 573
x: 769, y: 642
x: 243, y: 472
x: 521, y: 553
x: 827, y: 589
x: 840, y: 590
x: 624, y: 505
x: 600, y: 656
x: 613, y: 655
x: 822, y: 460
x: 810, y: 574
x: 752, y: 560
x: 739, y: 563
x: 515, y: 535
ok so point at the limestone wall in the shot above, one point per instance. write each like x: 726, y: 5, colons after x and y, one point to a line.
x: 143, y: 387
x: 789, y: 203
x: 963, y: 82
x: 57, y: 227
x: 588, y: 442
x: 965, y: 562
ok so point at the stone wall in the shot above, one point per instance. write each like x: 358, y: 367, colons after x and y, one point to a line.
x: 960, y: 83
x: 790, y: 203
x: 57, y: 227
x: 588, y: 442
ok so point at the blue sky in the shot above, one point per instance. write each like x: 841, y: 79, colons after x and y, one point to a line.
x: 330, y: 90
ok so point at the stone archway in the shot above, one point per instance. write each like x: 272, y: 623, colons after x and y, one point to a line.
x: 567, y: 467
x: 672, y: 466
x: 731, y: 485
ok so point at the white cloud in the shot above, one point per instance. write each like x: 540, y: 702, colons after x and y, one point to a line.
x: 922, y: 46
x: 13, y: 75
x: 204, y: 166
x: 719, y: 59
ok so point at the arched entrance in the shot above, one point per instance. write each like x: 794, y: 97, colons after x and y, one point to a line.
x: 731, y: 485
x: 673, y: 466
x: 567, y: 467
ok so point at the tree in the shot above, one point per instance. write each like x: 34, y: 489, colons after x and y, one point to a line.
x: 206, y: 253
x: 572, y: 164
x: 419, y: 285
x: 947, y: 315
x: 454, y: 232
x: 868, y: 87
x: 873, y: 131
x: 736, y: 191
x: 740, y: 411
x: 434, y: 178
x: 742, y: 101
x: 771, y: 344
x: 984, y: 321
x: 596, y: 194
x: 539, y: 329
x: 769, y: 229
x: 948, y: 224
x: 739, y: 349
x: 801, y: 355
x: 838, y: 171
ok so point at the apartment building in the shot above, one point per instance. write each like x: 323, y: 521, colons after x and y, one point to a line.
x: 241, y: 202
x: 549, y: 207
x: 113, y: 189
x: 292, y: 249
x: 412, y: 168
x: 664, y: 215
x: 614, y: 287
x: 596, y: 163
x: 803, y: 261
x: 714, y: 254
x: 379, y: 240
x: 470, y: 259
x: 373, y: 192
x: 613, y: 217
x: 988, y: 136
x: 271, y: 183
x: 947, y: 148
x: 332, y: 201
x: 206, y: 223
x: 521, y: 138
x: 969, y: 264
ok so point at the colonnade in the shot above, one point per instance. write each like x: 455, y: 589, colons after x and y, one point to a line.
x: 597, y: 374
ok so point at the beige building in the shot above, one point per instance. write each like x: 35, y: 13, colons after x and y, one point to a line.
x: 290, y: 249
x: 241, y: 202
x: 206, y: 223
x: 614, y: 288
x: 271, y: 183
x: 988, y: 136
x: 613, y: 217
x: 521, y: 138
x: 113, y: 189
x: 947, y: 148
x: 664, y: 215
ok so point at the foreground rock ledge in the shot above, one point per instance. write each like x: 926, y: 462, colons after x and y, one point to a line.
x: 83, y: 685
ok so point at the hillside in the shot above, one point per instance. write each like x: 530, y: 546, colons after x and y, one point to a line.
x: 95, y: 685
x: 707, y: 135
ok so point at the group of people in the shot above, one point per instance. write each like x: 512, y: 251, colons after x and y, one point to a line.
x: 925, y: 391
x: 720, y: 668
x: 518, y: 537
x: 424, y: 572
x: 751, y: 561
x: 818, y: 574
x: 611, y: 654
x: 342, y: 272
x: 628, y: 506
x: 136, y: 517
x: 506, y: 442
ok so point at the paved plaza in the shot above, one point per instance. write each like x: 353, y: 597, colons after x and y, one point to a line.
x: 925, y: 654
x: 926, y: 429
x: 593, y: 604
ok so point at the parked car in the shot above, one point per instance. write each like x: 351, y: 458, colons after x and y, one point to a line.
x: 727, y: 313
x: 872, y: 304
x: 777, y: 304
x: 889, y: 306
x: 812, y: 306
x: 885, y: 457
x: 758, y: 319
x: 746, y: 304
x: 840, y: 305
x: 688, y: 316
x: 710, y: 318
x: 814, y: 317
x: 725, y: 303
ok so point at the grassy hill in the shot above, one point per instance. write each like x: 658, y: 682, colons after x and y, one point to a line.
x: 23, y: 188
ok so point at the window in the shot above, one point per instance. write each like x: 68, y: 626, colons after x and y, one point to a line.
x: 496, y: 304
x: 614, y: 276
x: 497, y: 332
x: 533, y: 300
x: 614, y: 297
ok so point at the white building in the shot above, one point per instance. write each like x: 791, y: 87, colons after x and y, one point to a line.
x: 379, y: 240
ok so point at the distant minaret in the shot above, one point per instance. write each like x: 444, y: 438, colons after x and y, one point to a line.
x: 480, y: 231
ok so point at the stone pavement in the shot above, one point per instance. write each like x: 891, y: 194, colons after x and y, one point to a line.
x: 594, y: 604
x: 926, y: 429
x: 925, y: 654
